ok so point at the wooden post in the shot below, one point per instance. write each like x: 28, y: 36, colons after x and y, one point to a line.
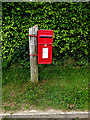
x: 33, y: 51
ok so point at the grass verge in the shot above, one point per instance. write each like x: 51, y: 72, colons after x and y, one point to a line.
x: 58, y: 88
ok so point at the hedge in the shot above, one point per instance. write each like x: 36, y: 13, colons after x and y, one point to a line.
x: 69, y: 22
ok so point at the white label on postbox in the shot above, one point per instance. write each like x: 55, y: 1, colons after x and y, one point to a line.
x: 45, y: 53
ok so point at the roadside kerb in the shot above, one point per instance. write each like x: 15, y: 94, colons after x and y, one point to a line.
x: 29, y: 114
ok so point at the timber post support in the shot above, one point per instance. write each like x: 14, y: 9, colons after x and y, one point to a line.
x: 33, y: 53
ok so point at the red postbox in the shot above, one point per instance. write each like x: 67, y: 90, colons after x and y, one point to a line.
x: 45, y: 40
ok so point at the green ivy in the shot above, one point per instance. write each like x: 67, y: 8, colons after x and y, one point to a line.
x: 69, y: 22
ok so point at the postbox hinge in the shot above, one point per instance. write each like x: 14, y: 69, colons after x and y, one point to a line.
x: 33, y: 55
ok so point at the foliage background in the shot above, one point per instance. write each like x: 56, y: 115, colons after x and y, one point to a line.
x: 69, y: 22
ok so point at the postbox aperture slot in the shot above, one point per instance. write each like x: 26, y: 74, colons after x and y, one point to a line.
x: 44, y: 36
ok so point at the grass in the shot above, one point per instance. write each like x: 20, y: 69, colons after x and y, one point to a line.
x: 38, y: 119
x: 59, y: 87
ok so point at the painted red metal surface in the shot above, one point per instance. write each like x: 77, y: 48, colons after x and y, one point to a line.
x: 33, y: 35
x: 45, y: 41
x: 33, y: 55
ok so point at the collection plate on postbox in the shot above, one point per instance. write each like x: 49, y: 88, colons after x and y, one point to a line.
x: 45, y: 40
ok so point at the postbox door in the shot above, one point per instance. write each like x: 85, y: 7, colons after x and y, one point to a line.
x: 45, y: 54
